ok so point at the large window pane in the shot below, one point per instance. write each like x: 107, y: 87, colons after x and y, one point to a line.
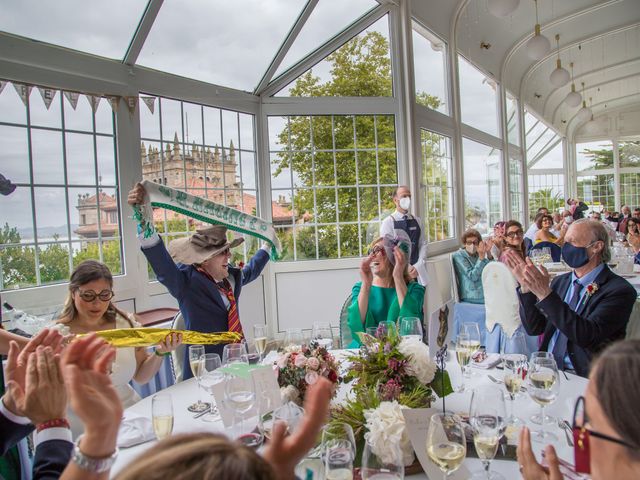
x: 429, y: 64
x: 597, y: 190
x: 483, y: 185
x: 437, y: 185
x: 515, y: 189
x: 513, y: 120
x: 594, y: 155
x: 545, y: 190
x: 478, y: 98
x: 630, y: 189
x: 629, y: 152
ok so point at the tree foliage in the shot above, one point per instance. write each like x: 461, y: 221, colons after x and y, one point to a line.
x: 545, y: 197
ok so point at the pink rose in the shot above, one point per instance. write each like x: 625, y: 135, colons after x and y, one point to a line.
x: 301, y: 361
x: 311, y: 377
x: 282, y: 361
x: 313, y: 363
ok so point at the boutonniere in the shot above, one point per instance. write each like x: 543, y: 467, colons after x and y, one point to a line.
x: 592, y: 288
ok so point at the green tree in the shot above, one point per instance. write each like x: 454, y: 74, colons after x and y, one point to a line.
x: 18, y: 263
x: 545, y: 197
x: 600, y: 158
x: 435, y: 180
x: 54, y: 262
x: 110, y: 255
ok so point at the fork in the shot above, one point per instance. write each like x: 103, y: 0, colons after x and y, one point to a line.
x: 564, y: 425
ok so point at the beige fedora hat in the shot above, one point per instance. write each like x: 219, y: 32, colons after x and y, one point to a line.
x: 202, y: 245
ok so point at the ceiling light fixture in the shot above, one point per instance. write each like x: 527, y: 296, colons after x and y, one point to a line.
x: 538, y: 46
x: 585, y: 112
x: 591, y: 126
x: 559, y: 77
x: 573, y: 98
x: 502, y: 8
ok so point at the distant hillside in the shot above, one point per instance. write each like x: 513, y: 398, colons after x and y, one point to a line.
x: 45, y: 232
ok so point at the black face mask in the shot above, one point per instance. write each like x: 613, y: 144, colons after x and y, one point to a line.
x: 575, y: 257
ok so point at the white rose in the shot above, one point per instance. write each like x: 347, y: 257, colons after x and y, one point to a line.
x: 290, y: 394
x: 419, y: 363
x: 385, y: 426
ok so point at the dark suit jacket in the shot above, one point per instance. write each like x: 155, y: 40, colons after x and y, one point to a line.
x: 200, y: 301
x: 11, y: 433
x: 600, y: 319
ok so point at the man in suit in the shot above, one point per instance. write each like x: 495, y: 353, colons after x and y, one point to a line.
x: 197, y: 273
x: 580, y: 312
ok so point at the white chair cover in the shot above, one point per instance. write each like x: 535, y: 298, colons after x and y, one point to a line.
x: 501, y: 302
x: 633, y: 327
x: 177, y: 355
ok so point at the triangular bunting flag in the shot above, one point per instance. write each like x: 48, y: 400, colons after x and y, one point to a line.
x: 24, y: 91
x: 48, y: 94
x: 114, y: 102
x: 73, y: 98
x: 150, y: 102
x: 94, y: 101
x: 2, y: 85
x: 131, y: 104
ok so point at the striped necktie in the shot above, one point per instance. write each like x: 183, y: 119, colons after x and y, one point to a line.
x: 233, y: 319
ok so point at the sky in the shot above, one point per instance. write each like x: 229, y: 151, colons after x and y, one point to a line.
x: 222, y: 42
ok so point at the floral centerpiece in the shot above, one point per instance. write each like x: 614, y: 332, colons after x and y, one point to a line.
x: 299, y: 366
x: 389, y: 373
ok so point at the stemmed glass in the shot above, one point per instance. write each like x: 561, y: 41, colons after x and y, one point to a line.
x: 463, y: 354
x: 411, y: 328
x: 487, y: 416
x: 385, y: 465
x: 235, y: 352
x: 388, y: 329
x: 209, y: 378
x: 338, y: 450
x: 195, y: 352
x: 543, y: 385
x: 515, y: 370
x: 260, y: 337
x: 536, y: 418
x: 162, y: 415
x: 322, y: 335
x: 240, y: 394
x: 293, y: 337
x: 446, y: 443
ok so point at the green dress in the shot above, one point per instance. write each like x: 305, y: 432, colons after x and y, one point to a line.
x: 383, y: 306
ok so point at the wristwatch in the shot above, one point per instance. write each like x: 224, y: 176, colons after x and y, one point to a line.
x: 91, y: 464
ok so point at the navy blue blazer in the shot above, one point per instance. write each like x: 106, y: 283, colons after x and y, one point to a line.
x: 600, y: 319
x: 199, y: 299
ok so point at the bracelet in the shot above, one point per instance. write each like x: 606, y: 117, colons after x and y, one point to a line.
x: 91, y: 464
x: 53, y: 423
x: 161, y: 354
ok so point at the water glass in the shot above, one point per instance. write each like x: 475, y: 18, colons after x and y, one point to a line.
x: 385, y: 465
x: 487, y: 417
x: 209, y: 378
x: 240, y: 395
x: 536, y: 418
x: 162, y: 415
x: 322, y: 335
x: 543, y: 386
x: 446, y: 442
x: 235, y: 353
x: 411, y: 328
x: 195, y: 352
x: 338, y: 450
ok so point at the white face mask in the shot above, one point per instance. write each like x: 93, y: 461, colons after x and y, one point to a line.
x: 471, y: 249
x: 568, y: 219
x: 405, y: 203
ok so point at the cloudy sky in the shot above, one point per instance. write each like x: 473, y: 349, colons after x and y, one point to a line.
x: 218, y: 41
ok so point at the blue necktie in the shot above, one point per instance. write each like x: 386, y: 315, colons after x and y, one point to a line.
x: 560, y: 347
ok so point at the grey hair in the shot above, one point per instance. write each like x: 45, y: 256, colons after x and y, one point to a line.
x: 598, y: 234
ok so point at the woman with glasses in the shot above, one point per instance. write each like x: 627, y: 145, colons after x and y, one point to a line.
x: 468, y: 263
x: 513, y: 239
x: 545, y: 234
x: 88, y: 308
x: 606, y: 422
x: 386, y: 291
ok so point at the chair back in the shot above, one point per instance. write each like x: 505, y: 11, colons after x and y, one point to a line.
x: 454, y: 281
x: 556, y: 251
x: 501, y: 302
x: 177, y: 356
x: 345, y: 332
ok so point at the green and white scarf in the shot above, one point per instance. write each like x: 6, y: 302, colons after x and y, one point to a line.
x: 203, y: 210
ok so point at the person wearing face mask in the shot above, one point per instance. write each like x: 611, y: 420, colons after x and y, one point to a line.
x: 606, y: 422
x: 401, y: 219
x: 468, y: 263
x: 581, y: 312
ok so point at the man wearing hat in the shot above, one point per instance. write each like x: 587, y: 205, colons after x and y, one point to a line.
x: 197, y: 273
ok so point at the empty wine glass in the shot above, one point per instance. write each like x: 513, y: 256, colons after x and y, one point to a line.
x: 487, y: 417
x: 322, y: 335
x: 240, y: 395
x: 293, y: 337
x: 260, y: 338
x: 446, y: 443
x: 387, y: 464
x: 387, y: 329
x: 411, y: 328
x: 195, y: 352
x: 235, y: 352
x: 543, y: 385
x: 209, y: 378
x: 338, y: 450
x: 162, y: 415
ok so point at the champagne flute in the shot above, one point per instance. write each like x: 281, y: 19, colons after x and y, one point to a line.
x: 293, y: 337
x: 240, y: 394
x: 543, y: 385
x: 463, y: 354
x: 536, y: 418
x: 515, y: 371
x: 209, y: 378
x: 385, y: 465
x: 322, y: 335
x: 235, y: 353
x: 260, y: 339
x: 446, y: 443
x: 487, y: 417
x: 162, y: 415
x: 411, y: 328
x: 339, y: 450
x: 195, y: 352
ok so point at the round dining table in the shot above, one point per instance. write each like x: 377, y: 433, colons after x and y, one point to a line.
x: 571, y: 387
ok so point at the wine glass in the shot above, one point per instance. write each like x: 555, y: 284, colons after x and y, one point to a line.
x: 385, y: 465
x: 515, y: 371
x: 162, y: 415
x: 209, y: 378
x: 235, y: 353
x: 338, y: 450
x: 195, y: 352
x: 240, y: 395
x: 411, y: 328
x: 260, y: 337
x: 473, y: 330
x: 293, y: 337
x: 536, y: 418
x: 463, y: 354
x: 487, y: 417
x: 387, y: 329
x: 446, y: 443
x: 543, y: 385
x: 322, y: 335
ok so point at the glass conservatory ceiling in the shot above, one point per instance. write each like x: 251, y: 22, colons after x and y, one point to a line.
x: 225, y: 43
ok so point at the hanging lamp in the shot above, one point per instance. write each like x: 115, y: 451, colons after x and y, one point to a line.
x: 559, y: 77
x: 537, y: 46
x: 573, y: 98
x: 585, y: 112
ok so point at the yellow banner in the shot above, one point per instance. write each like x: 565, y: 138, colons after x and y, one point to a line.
x: 146, y: 337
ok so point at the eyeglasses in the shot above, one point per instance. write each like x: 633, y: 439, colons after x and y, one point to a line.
x: 580, y: 419
x: 515, y: 234
x: 375, y: 250
x: 90, y: 295
x: 475, y: 242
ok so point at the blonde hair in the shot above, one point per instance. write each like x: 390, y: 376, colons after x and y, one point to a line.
x: 205, y: 456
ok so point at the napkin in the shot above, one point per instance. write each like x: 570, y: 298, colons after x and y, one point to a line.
x: 491, y: 361
x: 134, y: 429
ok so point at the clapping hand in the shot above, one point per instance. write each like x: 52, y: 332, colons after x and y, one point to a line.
x: 401, y: 262
x: 529, y: 467
x: 531, y: 278
x: 365, y: 270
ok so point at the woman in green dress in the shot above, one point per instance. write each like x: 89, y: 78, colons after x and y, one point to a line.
x: 386, y: 291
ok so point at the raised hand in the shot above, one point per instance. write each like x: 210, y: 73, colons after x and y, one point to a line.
x: 170, y: 343
x: 483, y: 247
x: 530, y: 469
x: 365, y: 270
x: 136, y: 195
x: 401, y: 262
x: 536, y: 279
x: 517, y: 266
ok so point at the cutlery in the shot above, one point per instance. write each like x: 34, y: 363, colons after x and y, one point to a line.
x: 200, y: 414
x: 565, y: 375
x: 564, y: 425
x: 495, y: 380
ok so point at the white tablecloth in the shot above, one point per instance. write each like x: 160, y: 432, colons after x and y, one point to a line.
x: 185, y: 393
